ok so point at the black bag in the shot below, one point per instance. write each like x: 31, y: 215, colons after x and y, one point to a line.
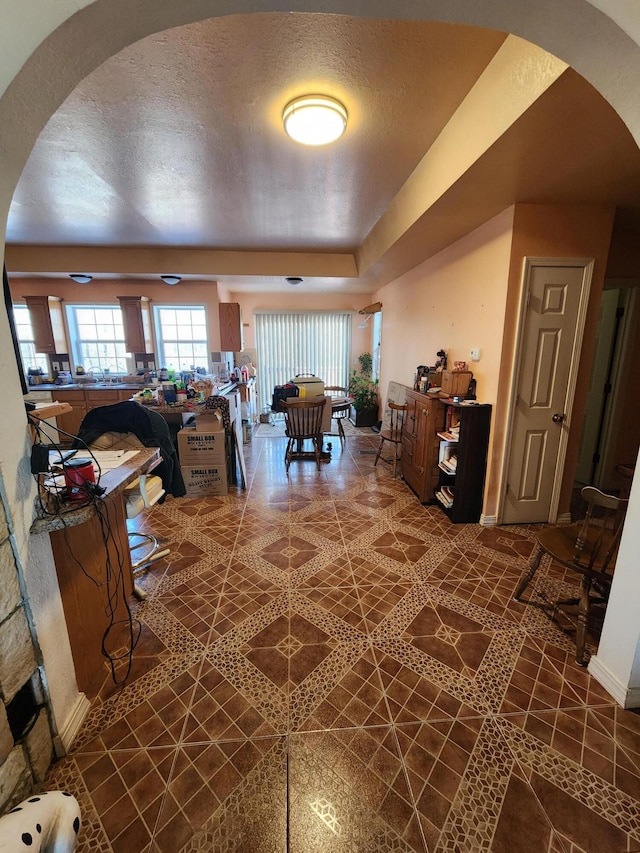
x: 281, y: 392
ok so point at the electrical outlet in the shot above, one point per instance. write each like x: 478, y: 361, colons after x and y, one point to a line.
x: 474, y: 354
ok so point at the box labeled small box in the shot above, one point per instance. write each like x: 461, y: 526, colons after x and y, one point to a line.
x: 196, y: 447
x: 204, y: 480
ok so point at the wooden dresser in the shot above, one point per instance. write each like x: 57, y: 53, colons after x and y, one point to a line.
x: 421, y: 445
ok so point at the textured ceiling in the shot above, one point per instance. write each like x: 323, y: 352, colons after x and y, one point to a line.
x: 178, y: 142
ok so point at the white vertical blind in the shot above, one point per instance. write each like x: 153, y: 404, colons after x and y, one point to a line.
x: 302, y: 342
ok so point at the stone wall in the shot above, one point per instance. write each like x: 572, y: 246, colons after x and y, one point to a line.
x: 26, y: 743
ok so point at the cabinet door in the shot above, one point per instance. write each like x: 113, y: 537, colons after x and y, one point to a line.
x: 41, y: 323
x: 71, y: 421
x: 100, y: 397
x: 412, y: 446
x: 131, y: 307
x: 420, y: 444
x: 230, y: 326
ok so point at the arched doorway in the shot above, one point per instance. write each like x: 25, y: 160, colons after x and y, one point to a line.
x: 45, y: 61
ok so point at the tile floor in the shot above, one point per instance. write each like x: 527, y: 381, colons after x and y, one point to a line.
x: 327, y: 665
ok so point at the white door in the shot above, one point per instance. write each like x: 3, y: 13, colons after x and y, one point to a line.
x: 555, y: 300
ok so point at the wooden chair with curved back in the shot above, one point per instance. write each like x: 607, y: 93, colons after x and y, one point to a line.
x: 588, y: 548
x: 340, y: 407
x: 303, y: 420
x: 393, y: 435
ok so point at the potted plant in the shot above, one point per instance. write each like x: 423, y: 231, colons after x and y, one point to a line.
x: 364, y: 393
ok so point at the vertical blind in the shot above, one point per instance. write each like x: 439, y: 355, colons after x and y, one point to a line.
x: 302, y: 342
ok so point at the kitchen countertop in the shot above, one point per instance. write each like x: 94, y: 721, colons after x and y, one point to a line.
x: 91, y: 386
x: 112, y: 386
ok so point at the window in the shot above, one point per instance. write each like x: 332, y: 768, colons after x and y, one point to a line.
x: 302, y: 342
x: 30, y: 358
x: 181, y: 333
x: 98, y: 338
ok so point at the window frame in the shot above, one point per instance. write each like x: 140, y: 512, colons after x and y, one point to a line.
x: 161, y: 357
x: 32, y: 359
x: 79, y: 357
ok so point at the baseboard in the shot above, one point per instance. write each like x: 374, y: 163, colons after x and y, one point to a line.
x: 488, y: 520
x: 74, y: 721
x: 626, y: 697
x: 564, y: 518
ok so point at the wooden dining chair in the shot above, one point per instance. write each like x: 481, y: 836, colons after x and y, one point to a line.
x: 303, y: 420
x: 393, y: 435
x: 588, y: 548
x: 340, y: 407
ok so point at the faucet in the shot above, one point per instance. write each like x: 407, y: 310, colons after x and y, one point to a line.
x: 94, y: 370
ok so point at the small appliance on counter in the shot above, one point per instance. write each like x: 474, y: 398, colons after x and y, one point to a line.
x: 35, y: 376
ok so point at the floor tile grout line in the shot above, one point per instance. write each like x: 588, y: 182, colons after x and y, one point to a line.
x: 523, y: 771
x: 405, y: 772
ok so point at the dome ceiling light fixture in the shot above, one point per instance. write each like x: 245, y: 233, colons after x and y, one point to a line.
x: 81, y: 277
x: 171, y: 279
x: 314, y: 119
x: 294, y: 280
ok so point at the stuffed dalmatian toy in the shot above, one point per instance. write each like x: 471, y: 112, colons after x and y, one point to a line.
x: 45, y: 823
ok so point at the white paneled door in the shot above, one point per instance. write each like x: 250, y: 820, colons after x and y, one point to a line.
x: 555, y: 300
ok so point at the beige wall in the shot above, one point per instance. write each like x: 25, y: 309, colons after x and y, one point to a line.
x: 206, y: 293
x: 105, y: 291
x: 454, y: 301
x: 549, y: 231
x: 468, y: 296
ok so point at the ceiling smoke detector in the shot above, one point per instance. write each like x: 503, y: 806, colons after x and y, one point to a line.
x: 294, y: 279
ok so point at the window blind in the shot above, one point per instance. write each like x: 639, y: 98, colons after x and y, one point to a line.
x: 302, y: 342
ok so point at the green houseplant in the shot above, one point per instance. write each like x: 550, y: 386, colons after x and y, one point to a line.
x: 364, y: 392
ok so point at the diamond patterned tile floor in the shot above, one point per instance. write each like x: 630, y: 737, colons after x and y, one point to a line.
x: 324, y: 664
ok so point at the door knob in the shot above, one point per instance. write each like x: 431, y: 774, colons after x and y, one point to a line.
x: 557, y: 419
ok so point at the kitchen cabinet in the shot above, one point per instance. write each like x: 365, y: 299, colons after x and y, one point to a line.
x: 464, y: 443
x: 420, y: 443
x: 131, y: 307
x: 70, y: 422
x: 41, y: 323
x: 105, y: 397
x: 230, y: 327
x: 82, y: 400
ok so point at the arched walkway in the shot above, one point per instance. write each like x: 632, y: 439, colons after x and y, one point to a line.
x: 48, y: 51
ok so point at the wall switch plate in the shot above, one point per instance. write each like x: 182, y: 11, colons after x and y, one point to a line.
x: 65, y: 365
x: 139, y: 364
x: 474, y: 354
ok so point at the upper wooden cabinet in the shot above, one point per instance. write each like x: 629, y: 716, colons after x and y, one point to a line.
x: 41, y: 323
x: 230, y: 327
x: 131, y: 307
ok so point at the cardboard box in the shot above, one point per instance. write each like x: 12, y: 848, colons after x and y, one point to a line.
x: 309, y: 386
x: 455, y: 383
x: 205, y: 480
x: 199, y: 447
x: 210, y: 421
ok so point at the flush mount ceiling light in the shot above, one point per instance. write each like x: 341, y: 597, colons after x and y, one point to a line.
x: 294, y: 279
x: 80, y: 277
x: 171, y: 279
x: 314, y: 119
